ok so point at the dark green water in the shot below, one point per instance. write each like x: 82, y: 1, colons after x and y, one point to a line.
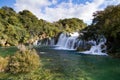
x: 70, y: 65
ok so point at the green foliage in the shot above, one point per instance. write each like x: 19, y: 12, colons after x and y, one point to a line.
x: 11, y: 29
x: 89, y: 33
x: 72, y: 24
x: 29, y: 21
x: 107, y: 23
x: 23, y: 62
x: 20, y: 27
x: 3, y: 63
x: 39, y: 74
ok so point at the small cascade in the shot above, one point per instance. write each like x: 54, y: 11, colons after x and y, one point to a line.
x: 45, y: 42
x: 52, y: 41
x: 96, y: 50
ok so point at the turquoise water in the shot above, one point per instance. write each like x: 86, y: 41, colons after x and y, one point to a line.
x: 70, y: 65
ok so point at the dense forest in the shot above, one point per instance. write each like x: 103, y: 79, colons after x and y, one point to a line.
x: 25, y: 27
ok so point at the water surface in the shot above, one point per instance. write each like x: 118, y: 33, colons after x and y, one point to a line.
x: 71, y: 65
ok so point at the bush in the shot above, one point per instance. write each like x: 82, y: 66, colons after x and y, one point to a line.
x: 3, y: 63
x: 24, y: 62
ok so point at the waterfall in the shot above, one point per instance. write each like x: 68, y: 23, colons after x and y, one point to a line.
x: 97, y: 49
x: 72, y: 42
x: 66, y: 41
x: 44, y: 42
x: 51, y: 41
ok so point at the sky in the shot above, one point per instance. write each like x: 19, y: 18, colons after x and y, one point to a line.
x: 53, y: 10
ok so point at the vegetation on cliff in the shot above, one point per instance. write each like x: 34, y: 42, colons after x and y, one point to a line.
x: 25, y: 27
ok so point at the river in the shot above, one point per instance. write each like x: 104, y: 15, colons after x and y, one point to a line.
x: 71, y: 65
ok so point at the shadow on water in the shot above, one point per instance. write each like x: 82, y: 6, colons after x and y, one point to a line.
x: 70, y: 65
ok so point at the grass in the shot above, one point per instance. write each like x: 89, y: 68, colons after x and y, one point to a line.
x: 69, y: 65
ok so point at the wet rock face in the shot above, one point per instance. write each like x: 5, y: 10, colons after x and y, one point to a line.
x: 80, y: 49
x: 103, y: 48
x: 88, y: 46
x: 84, y: 48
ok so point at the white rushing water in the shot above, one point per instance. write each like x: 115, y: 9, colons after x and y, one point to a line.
x: 67, y: 41
x: 70, y: 42
x: 45, y: 42
x: 97, y: 49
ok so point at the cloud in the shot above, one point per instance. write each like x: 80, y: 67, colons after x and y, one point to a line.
x: 51, y: 10
x: 109, y: 2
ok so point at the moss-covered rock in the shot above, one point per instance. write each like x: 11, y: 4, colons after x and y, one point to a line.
x: 86, y: 47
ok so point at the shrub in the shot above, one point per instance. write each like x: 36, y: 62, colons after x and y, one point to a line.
x: 3, y: 63
x: 24, y: 62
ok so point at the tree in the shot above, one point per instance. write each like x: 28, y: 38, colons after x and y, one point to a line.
x: 107, y: 22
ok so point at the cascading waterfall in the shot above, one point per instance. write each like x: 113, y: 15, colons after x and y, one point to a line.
x: 66, y: 41
x: 97, y: 49
x: 71, y: 42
